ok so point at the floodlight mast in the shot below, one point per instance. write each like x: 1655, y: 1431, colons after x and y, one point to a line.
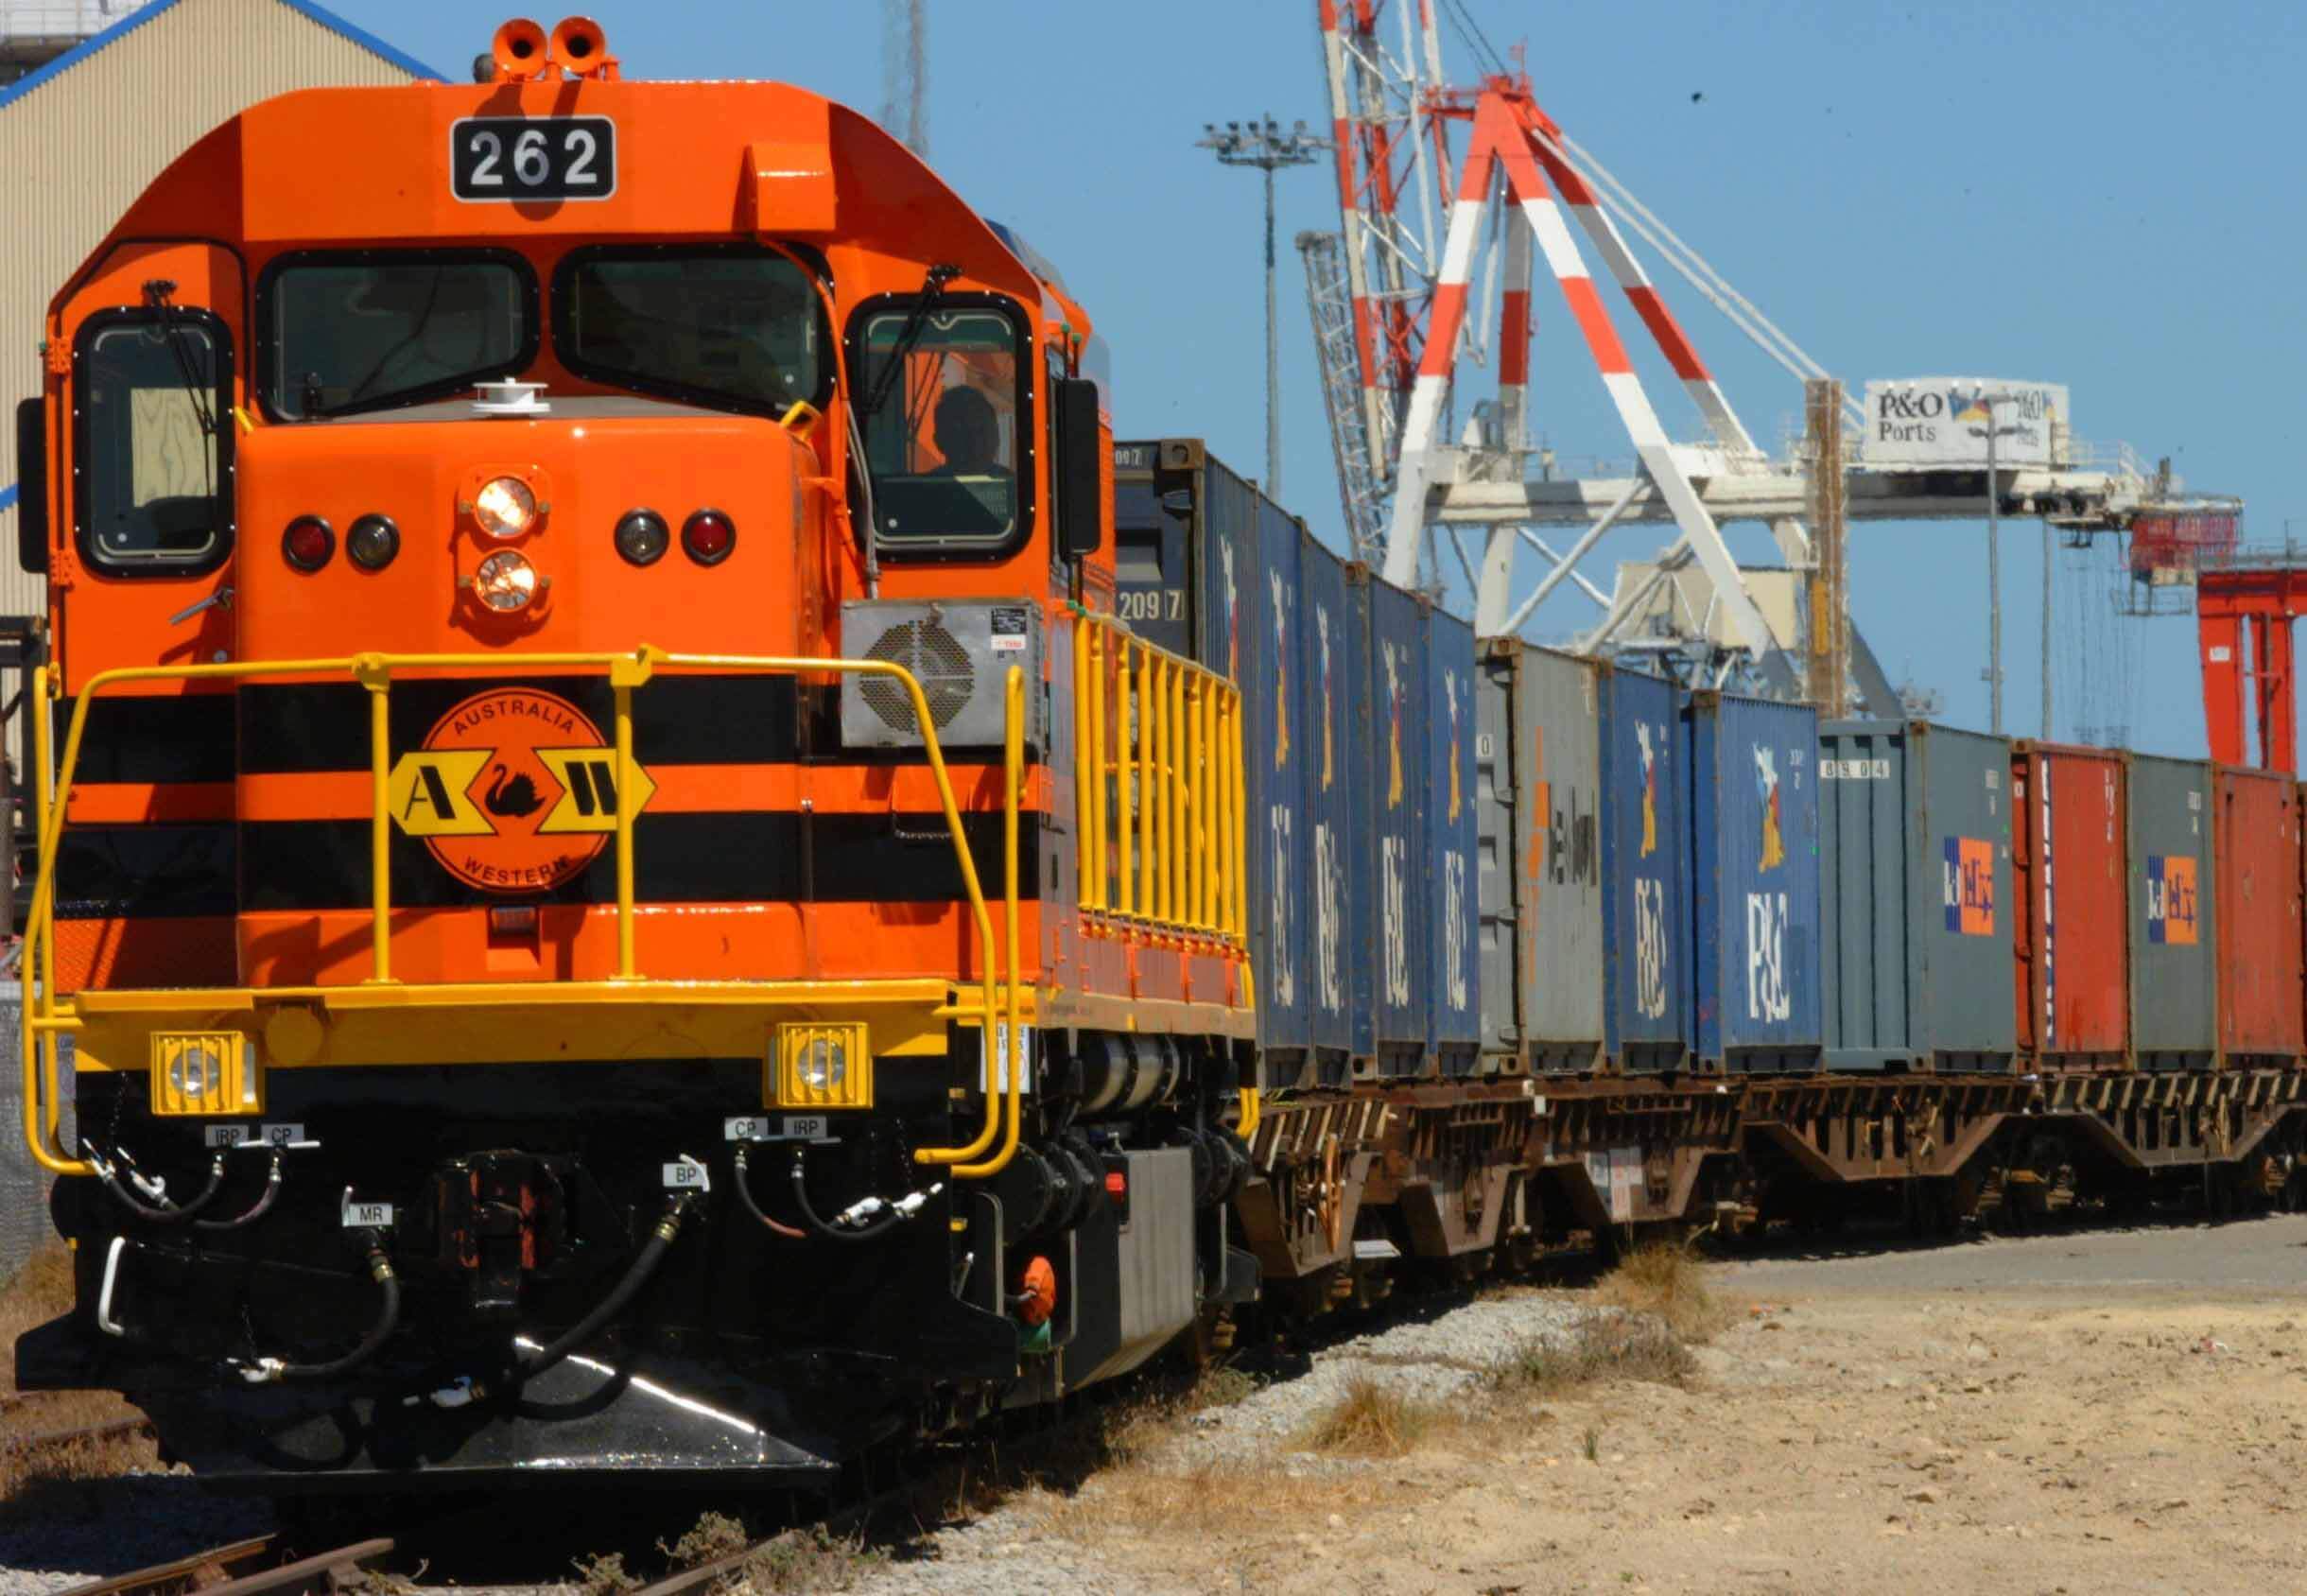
x: 1267, y: 145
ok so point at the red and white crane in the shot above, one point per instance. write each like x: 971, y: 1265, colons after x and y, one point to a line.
x: 1449, y: 198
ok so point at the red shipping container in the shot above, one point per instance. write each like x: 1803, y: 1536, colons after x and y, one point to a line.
x: 2071, y: 965
x: 2256, y: 835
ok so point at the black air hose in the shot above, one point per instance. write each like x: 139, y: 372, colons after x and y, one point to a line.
x: 264, y: 1371
x: 257, y: 1210
x: 872, y: 1232
x: 173, y: 1213
x: 744, y: 1195
x: 653, y: 1254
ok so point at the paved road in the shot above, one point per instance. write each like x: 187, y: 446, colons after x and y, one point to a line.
x: 2246, y: 1258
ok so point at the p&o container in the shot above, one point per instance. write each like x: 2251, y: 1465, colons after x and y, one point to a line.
x: 1754, y: 884
x: 1396, y: 843
x: 1645, y: 873
x: 1453, y: 911
x: 2174, y: 897
x: 2255, y: 836
x: 1915, y: 850
x: 2070, y: 975
x: 1329, y: 666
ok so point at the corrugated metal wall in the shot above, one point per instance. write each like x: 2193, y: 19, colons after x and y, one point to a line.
x: 77, y: 150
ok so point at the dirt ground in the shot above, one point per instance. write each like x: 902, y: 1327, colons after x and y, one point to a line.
x: 2096, y: 1412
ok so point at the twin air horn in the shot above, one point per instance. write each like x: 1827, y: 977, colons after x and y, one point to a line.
x: 522, y: 52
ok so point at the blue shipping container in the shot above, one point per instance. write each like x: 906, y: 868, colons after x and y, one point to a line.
x: 1645, y: 872
x: 1248, y: 560
x: 1453, y: 905
x: 1396, y: 839
x: 1363, y: 721
x: 1325, y: 666
x: 1754, y: 883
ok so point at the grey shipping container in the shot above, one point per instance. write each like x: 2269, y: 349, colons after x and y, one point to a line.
x: 1754, y: 883
x: 1452, y: 907
x: 2173, y: 911
x: 1542, y: 892
x: 1645, y: 872
x: 1915, y: 871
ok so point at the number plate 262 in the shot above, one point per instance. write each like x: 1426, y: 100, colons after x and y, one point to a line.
x: 532, y: 158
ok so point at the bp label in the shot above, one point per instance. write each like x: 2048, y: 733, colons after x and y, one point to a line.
x: 514, y: 790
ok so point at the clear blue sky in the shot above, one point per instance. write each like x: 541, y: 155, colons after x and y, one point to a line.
x: 2103, y: 196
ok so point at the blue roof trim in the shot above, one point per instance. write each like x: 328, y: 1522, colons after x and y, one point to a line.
x: 7, y: 497
x: 137, y: 19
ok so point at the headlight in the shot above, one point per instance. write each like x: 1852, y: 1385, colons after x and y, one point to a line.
x: 505, y: 581
x: 506, y: 506
x: 825, y: 1064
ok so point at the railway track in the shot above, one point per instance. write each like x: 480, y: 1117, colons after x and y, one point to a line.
x: 238, y: 1568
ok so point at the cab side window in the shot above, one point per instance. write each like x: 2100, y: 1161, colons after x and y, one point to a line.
x: 152, y: 444
x: 946, y: 426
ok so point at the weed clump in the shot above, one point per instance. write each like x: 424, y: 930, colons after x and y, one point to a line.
x: 604, y: 1575
x: 1371, y: 1419
x: 810, y: 1560
x: 1619, y: 1347
x: 1665, y: 1280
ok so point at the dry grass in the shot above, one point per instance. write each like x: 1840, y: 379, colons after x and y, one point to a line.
x: 1619, y: 1347
x: 1146, y: 1498
x: 810, y: 1560
x: 1371, y: 1418
x: 39, y: 1291
x: 1665, y: 1280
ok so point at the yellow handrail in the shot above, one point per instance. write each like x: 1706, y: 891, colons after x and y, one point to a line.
x: 42, y: 1020
x: 1013, y: 1043
x: 1173, y: 842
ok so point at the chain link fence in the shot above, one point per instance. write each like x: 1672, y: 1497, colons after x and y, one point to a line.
x: 24, y: 1184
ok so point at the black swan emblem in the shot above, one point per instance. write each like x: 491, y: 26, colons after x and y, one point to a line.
x: 512, y: 798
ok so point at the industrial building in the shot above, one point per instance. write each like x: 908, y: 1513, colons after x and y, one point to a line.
x: 104, y: 95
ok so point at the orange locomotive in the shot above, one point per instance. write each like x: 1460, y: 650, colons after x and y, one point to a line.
x: 580, y: 617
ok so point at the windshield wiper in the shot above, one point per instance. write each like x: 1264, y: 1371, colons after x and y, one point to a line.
x: 157, y: 293
x: 932, y: 286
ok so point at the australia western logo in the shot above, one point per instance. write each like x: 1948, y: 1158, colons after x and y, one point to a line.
x: 514, y: 790
x: 2171, y: 899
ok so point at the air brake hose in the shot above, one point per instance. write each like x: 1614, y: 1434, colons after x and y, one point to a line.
x: 264, y: 1371
x: 744, y: 1195
x: 653, y: 1254
x: 173, y: 1213
x: 257, y: 1210
x: 869, y: 1232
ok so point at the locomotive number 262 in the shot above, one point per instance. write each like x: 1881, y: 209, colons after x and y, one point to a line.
x: 532, y: 158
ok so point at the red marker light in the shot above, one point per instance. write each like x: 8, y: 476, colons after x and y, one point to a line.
x: 707, y: 536
x: 1117, y: 1185
x: 308, y: 542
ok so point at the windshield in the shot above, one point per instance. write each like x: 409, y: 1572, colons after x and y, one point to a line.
x: 737, y: 327
x: 943, y: 446
x: 369, y: 332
